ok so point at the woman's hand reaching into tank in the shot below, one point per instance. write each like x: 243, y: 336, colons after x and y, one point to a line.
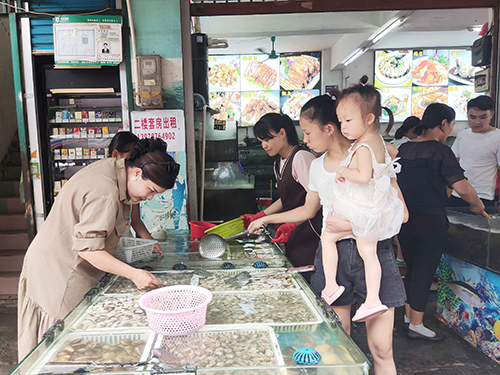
x: 157, y: 249
x: 144, y: 279
x: 256, y: 225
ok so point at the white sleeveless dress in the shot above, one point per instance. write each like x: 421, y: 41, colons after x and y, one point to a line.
x: 374, y: 209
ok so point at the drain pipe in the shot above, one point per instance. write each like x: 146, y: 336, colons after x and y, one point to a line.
x: 135, y: 70
x: 203, y: 150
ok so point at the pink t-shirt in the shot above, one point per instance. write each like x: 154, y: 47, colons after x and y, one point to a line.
x: 300, y: 167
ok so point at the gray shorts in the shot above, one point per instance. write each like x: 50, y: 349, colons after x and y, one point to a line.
x: 351, y: 274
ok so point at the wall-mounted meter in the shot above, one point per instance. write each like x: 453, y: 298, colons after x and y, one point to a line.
x: 150, y: 81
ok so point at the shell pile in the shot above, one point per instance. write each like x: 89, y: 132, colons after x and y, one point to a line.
x: 113, y: 312
x: 244, y: 308
x: 225, y: 281
x: 82, y: 350
x: 125, y: 286
x: 219, y: 349
x: 250, y: 251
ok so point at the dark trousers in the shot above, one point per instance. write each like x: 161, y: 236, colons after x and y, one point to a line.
x: 423, y: 240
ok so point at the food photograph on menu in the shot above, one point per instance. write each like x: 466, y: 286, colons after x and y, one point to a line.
x: 398, y: 100
x: 293, y: 101
x: 256, y: 104
x: 430, y: 67
x: 224, y: 73
x: 228, y: 103
x: 300, y: 71
x: 461, y: 70
x: 423, y: 96
x: 259, y: 72
x: 458, y: 96
x: 393, y: 68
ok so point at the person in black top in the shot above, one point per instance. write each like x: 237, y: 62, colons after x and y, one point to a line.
x: 427, y: 168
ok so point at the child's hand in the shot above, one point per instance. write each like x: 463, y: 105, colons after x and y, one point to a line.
x: 339, y: 177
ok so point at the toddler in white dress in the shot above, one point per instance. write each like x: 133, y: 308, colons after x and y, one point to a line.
x: 365, y: 193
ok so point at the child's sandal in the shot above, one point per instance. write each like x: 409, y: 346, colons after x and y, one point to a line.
x: 331, y: 299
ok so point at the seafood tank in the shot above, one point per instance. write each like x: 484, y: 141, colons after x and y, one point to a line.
x: 475, y: 238
x: 250, y: 327
x: 469, y: 279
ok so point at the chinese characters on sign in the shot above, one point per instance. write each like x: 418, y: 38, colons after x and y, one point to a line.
x: 165, y: 124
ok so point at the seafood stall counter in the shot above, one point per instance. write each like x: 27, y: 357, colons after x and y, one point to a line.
x: 260, y: 321
x: 469, y: 279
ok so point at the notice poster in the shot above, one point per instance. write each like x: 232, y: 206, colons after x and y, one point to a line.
x: 87, y: 40
x: 165, y: 124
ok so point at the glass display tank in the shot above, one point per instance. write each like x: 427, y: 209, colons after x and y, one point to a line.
x: 475, y: 238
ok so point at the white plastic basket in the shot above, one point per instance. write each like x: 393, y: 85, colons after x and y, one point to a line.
x: 130, y: 249
x: 176, y: 310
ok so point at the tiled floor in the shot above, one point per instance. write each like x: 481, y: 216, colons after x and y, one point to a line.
x: 451, y: 356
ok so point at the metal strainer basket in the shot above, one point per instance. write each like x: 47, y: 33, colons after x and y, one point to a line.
x: 213, y: 246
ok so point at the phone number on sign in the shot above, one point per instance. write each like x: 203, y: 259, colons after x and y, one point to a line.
x: 167, y: 135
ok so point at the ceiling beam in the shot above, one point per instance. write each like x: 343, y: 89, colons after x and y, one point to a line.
x: 232, y: 8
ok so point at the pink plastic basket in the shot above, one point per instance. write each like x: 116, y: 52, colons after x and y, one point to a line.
x: 176, y: 310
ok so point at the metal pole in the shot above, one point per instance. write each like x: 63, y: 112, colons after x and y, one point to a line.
x: 21, y: 123
x: 187, y: 70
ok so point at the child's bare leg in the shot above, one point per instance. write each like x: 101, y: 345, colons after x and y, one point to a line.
x: 330, y: 260
x: 373, y: 273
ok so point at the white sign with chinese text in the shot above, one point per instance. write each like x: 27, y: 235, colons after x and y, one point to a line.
x: 166, y: 124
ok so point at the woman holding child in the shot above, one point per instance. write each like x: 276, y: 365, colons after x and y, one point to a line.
x: 322, y: 132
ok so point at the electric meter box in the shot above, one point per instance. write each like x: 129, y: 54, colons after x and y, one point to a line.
x: 150, y: 88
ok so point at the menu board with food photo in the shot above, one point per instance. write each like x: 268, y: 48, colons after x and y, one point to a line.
x: 256, y: 104
x: 293, y: 101
x: 430, y: 67
x: 259, y: 72
x: 458, y: 96
x: 461, y: 70
x: 423, y: 96
x: 224, y: 73
x: 398, y: 100
x: 229, y: 104
x: 300, y: 71
x: 393, y: 68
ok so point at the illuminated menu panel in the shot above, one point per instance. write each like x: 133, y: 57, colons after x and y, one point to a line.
x: 410, y: 80
x: 245, y: 87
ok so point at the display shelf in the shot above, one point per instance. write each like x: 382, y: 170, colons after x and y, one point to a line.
x: 80, y: 128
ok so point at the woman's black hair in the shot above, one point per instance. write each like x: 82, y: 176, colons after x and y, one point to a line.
x: 150, y: 155
x: 408, y: 124
x: 434, y: 115
x: 275, y: 122
x: 368, y: 97
x: 122, y: 142
x: 322, y: 109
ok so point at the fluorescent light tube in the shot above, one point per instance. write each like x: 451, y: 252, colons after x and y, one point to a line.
x: 388, y: 29
x: 353, y: 56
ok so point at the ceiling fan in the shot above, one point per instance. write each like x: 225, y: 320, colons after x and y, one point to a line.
x: 272, y: 54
